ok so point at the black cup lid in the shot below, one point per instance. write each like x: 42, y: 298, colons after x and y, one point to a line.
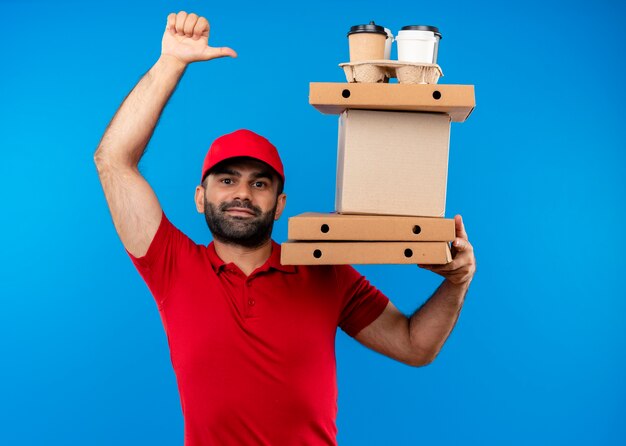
x: 434, y: 29
x: 370, y: 28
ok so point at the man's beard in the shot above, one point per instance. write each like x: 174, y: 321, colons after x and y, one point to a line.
x: 250, y: 232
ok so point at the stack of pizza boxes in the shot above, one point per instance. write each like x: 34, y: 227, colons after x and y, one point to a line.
x: 392, y: 171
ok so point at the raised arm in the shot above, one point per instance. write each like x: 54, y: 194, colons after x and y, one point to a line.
x: 134, y: 207
x: 417, y: 340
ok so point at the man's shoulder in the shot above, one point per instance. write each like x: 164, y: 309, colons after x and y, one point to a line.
x: 173, y: 242
x: 182, y: 234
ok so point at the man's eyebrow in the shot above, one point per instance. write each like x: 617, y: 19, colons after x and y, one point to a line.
x: 263, y: 174
x: 226, y: 171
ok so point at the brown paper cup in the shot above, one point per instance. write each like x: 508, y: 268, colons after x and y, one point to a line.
x: 366, y: 46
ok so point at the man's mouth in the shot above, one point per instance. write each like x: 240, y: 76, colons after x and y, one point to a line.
x: 240, y: 212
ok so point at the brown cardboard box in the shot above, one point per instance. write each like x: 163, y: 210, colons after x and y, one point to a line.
x: 458, y: 101
x: 392, y: 163
x: 332, y: 226
x: 352, y: 253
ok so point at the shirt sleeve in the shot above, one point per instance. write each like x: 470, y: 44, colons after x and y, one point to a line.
x: 362, y: 302
x: 158, y: 267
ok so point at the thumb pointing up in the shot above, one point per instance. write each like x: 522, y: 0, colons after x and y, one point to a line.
x: 186, y: 37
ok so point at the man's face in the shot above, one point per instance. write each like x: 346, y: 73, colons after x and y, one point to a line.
x: 240, y: 202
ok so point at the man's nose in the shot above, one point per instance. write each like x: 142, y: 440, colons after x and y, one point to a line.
x: 243, y: 191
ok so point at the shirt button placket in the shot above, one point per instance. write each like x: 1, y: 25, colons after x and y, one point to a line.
x: 249, y: 300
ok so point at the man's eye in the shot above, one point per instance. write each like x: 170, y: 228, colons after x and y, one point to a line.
x: 259, y: 184
x: 227, y: 181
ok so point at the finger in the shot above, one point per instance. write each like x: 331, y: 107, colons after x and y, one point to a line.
x: 190, y: 22
x: 438, y: 271
x: 432, y: 267
x: 171, y: 23
x: 459, y: 226
x: 460, y: 244
x: 463, y: 262
x: 447, y: 267
x: 180, y: 22
x: 202, y: 26
x: 214, y: 53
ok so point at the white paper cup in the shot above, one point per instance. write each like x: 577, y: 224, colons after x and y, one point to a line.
x: 418, y: 44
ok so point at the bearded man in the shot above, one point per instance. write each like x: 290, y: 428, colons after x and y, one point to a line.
x: 252, y: 341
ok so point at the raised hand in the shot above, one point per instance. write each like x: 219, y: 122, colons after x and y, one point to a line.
x: 463, y: 266
x: 186, y: 38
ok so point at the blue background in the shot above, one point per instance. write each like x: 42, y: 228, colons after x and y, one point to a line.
x: 538, y: 355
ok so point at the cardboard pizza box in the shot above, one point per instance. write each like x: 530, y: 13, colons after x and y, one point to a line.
x: 352, y: 253
x: 333, y: 226
x: 458, y: 101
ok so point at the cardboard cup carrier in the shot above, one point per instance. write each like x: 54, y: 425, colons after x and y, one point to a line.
x: 418, y: 43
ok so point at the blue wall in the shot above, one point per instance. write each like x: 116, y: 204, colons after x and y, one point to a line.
x: 538, y: 355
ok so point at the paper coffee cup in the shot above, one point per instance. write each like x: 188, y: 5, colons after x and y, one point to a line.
x: 388, y: 43
x: 418, y: 43
x: 367, y: 42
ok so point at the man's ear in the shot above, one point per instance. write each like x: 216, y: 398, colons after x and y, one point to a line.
x: 199, y: 199
x: 281, y: 201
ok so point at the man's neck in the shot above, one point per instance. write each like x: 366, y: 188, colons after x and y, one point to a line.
x: 247, y: 259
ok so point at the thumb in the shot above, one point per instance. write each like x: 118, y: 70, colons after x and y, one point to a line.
x: 214, y: 53
x: 460, y: 226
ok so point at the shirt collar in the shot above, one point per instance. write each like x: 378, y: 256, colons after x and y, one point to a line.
x: 273, y: 260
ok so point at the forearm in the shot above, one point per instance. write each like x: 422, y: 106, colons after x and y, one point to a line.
x: 130, y: 130
x: 430, y: 326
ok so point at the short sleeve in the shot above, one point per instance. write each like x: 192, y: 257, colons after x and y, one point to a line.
x: 158, y: 267
x: 362, y: 302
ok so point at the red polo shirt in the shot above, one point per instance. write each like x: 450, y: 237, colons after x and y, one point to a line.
x: 254, y: 356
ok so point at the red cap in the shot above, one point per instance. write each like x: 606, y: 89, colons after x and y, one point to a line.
x: 242, y: 143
